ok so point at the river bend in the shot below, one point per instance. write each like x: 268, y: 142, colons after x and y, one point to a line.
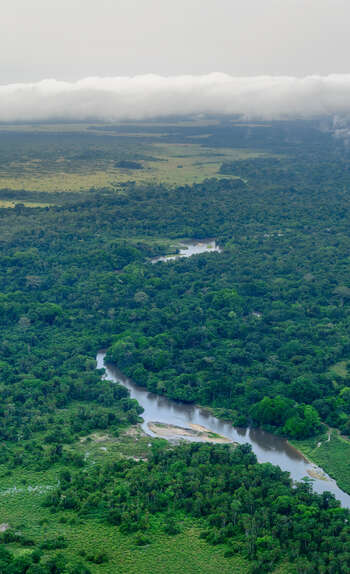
x: 266, y: 446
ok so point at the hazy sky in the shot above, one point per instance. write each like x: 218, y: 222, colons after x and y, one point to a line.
x: 72, y: 39
x: 117, y: 59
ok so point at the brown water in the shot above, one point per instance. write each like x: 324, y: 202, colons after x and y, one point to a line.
x: 189, y: 249
x: 267, y: 447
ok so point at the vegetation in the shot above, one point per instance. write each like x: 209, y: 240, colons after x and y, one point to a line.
x: 76, y: 158
x: 252, y: 507
x: 331, y: 451
x: 258, y: 332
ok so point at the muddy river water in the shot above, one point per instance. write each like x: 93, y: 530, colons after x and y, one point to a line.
x: 267, y: 447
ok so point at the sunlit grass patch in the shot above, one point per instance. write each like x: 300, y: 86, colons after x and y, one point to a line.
x: 340, y: 369
x: 7, y: 203
x: 168, y: 163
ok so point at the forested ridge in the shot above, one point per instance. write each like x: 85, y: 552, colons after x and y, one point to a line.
x: 256, y: 332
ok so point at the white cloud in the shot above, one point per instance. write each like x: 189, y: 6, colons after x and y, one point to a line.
x: 147, y: 96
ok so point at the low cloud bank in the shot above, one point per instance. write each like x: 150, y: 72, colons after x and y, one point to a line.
x: 149, y: 96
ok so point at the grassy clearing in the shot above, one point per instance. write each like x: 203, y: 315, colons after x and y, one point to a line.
x: 66, y: 168
x: 101, y: 447
x: 333, y: 456
x: 182, y: 164
x: 340, y: 369
x: 7, y: 203
x: 104, y: 128
x: 61, y: 181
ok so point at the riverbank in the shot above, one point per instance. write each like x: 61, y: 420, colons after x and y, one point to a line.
x: 195, y: 432
x: 328, y: 453
x: 266, y: 446
x: 200, y: 433
x: 332, y: 453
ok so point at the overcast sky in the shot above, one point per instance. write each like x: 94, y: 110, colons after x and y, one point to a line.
x: 114, y: 59
x: 72, y: 39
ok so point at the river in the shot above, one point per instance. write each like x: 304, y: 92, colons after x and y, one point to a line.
x: 266, y: 446
x: 190, y: 248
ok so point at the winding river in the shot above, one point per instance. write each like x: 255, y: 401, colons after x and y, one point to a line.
x: 190, y: 248
x: 267, y: 447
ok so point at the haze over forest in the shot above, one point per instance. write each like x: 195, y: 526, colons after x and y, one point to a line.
x: 149, y: 96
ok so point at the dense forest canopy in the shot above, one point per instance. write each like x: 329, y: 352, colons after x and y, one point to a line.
x: 252, y: 507
x: 259, y: 332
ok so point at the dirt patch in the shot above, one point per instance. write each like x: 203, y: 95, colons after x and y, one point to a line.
x: 317, y: 473
x: 199, y: 428
x: 194, y: 431
x: 96, y: 437
x: 134, y: 431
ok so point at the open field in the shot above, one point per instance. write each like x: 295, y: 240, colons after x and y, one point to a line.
x: 182, y: 164
x: 78, y: 157
x: 174, y: 164
x: 8, y: 203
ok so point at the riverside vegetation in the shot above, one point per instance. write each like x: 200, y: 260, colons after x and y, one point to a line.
x: 258, y: 332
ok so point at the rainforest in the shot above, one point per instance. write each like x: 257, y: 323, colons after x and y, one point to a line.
x: 255, y: 331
